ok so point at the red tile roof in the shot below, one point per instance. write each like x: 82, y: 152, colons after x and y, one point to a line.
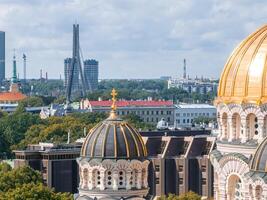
x: 131, y: 103
x: 11, y: 96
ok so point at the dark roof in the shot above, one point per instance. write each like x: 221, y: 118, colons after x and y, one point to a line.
x: 258, y: 162
x: 113, y: 138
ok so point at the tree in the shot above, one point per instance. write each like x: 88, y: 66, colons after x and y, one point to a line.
x: 33, y: 191
x: 16, y: 178
x: 187, y: 196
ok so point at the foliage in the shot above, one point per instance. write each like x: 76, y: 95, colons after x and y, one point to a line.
x: 143, y: 89
x: 55, y: 129
x: 18, y: 177
x: 34, y: 192
x: 13, y: 128
x: 137, y: 122
x: 187, y: 196
x: 24, y: 183
x: 33, y: 101
x: 204, y: 120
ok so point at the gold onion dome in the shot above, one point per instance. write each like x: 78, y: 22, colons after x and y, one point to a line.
x: 114, y: 138
x: 244, y: 78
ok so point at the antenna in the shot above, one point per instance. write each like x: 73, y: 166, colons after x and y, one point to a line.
x: 24, y: 67
x: 184, y: 75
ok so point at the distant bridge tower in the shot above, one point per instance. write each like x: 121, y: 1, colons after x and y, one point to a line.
x: 184, y: 74
x: 24, y: 67
x: 75, y: 63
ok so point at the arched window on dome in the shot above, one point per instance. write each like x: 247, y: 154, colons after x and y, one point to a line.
x: 258, y: 192
x: 224, y: 126
x: 108, y: 179
x: 85, y: 178
x: 122, y: 179
x: 251, y: 125
x: 236, y: 123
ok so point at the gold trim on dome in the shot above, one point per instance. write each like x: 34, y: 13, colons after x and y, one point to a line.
x: 95, y: 139
x: 125, y: 140
x: 135, y: 141
x: 105, y: 140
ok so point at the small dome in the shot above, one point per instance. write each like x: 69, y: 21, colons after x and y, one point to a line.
x: 243, y: 79
x: 113, y: 138
x: 258, y: 163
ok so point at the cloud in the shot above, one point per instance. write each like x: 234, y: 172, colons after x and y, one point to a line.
x: 131, y: 39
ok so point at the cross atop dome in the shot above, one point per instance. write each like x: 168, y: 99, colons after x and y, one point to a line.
x: 114, y: 99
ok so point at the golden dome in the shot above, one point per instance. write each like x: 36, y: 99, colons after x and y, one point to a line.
x: 244, y: 78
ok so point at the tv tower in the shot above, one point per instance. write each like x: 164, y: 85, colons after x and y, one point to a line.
x: 24, y: 67
x: 75, y: 63
x: 184, y: 74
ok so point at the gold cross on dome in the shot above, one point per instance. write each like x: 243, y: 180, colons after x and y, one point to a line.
x: 114, y: 94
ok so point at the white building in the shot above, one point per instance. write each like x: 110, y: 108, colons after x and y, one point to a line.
x: 193, y: 85
x: 185, y: 114
x: 240, y: 167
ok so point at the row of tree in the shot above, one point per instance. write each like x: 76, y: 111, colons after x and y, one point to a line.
x: 26, y: 183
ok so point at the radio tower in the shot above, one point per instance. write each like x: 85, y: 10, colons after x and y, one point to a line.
x: 75, y: 63
x: 184, y: 75
x: 24, y: 67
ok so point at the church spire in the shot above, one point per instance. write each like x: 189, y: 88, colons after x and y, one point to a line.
x: 14, y: 75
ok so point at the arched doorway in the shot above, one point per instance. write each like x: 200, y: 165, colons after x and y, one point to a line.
x: 251, y: 125
x: 236, y: 123
x: 234, y: 188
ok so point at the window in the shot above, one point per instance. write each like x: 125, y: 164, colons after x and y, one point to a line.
x: 178, y: 114
x: 162, y: 112
x: 181, y: 181
x: 188, y: 121
x: 157, y: 168
x: 178, y: 121
x: 184, y: 114
x: 203, y: 181
x: 188, y: 114
x: 152, y: 119
x: 157, y: 119
x: 168, y: 119
x: 152, y: 112
x: 147, y: 112
x: 203, y: 168
x: 181, y: 168
x: 143, y: 112
x: 122, y: 112
x: 157, y: 180
x: 157, y: 112
x: 183, y: 121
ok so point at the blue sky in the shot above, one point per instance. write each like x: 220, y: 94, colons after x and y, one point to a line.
x: 130, y: 38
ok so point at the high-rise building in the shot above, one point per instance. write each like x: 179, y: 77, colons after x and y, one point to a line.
x: 75, y: 80
x: 2, y: 56
x: 91, y: 73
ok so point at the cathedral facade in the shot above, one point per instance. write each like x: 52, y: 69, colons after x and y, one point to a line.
x: 239, y: 161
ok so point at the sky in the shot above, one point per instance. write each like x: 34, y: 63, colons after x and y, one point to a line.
x: 129, y: 38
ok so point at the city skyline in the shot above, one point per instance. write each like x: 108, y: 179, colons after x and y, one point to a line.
x: 135, y: 39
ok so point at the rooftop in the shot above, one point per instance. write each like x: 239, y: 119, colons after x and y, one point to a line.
x: 11, y: 96
x: 131, y: 103
x: 194, y: 106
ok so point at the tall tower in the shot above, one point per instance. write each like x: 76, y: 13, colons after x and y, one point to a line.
x: 14, y: 81
x: 184, y: 74
x: 75, y: 63
x: 24, y: 67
